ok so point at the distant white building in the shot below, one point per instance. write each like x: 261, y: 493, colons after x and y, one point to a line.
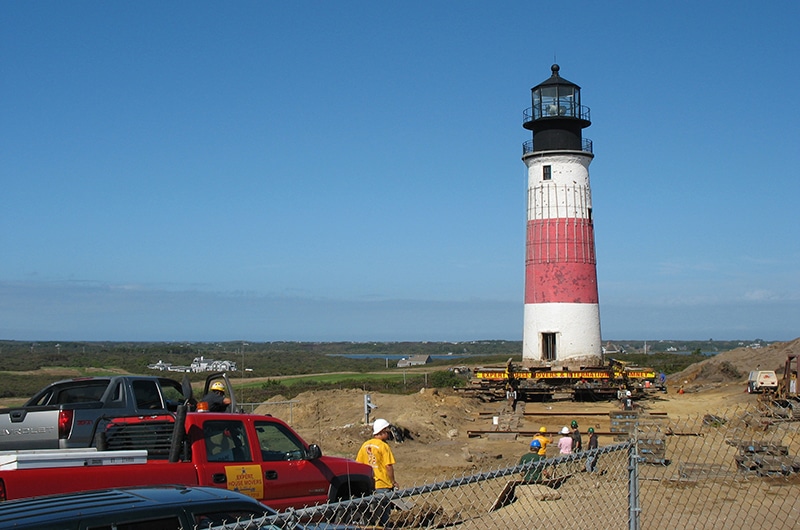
x: 160, y: 365
x: 611, y: 349
x: 414, y: 360
x: 199, y: 364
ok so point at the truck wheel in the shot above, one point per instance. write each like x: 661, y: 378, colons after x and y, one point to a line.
x: 363, y: 513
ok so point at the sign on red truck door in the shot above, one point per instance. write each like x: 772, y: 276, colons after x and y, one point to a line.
x: 269, y: 465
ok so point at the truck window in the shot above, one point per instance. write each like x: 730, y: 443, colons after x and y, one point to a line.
x: 147, y: 395
x: 226, y: 441
x: 166, y: 523
x: 83, y: 393
x: 173, y: 394
x: 278, y: 443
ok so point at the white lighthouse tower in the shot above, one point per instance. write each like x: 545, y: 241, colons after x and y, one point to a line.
x: 562, y: 316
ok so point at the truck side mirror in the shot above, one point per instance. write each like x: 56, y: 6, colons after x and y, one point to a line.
x: 313, y: 452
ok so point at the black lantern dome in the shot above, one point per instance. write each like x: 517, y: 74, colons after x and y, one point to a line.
x: 557, y: 116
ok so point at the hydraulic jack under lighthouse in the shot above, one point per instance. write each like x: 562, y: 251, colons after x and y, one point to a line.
x: 562, y: 316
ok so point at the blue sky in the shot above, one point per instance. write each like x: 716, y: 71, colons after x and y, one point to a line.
x: 351, y: 170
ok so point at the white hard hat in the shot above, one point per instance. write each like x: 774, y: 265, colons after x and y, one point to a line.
x: 564, y: 430
x: 379, y: 425
x: 628, y: 393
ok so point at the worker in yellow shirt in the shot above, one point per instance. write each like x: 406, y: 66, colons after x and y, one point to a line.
x: 376, y: 453
x: 543, y: 440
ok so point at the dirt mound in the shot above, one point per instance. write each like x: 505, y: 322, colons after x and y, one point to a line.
x: 734, y: 365
x: 334, y: 419
x: 434, y: 423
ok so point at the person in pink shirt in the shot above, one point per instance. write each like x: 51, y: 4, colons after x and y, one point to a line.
x: 565, y: 442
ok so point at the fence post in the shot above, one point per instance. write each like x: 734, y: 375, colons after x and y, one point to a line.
x: 634, y: 509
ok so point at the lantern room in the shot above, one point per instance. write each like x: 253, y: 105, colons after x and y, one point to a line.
x: 556, y: 116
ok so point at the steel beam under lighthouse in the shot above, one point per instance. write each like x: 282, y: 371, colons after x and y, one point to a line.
x: 562, y: 316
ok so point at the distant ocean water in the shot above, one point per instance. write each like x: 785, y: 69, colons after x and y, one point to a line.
x: 395, y: 357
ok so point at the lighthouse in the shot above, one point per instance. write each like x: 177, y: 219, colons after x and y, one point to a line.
x: 562, y: 316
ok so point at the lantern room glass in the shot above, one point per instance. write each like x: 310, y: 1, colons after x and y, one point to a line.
x: 556, y: 100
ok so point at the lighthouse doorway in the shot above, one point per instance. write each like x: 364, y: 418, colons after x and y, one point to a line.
x: 548, y: 346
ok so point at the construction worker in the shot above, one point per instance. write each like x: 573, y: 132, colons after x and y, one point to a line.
x: 627, y: 401
x: 511, y: 396
x: 534, y: 473
x: 216, y: 399
x: 577, y: 445
x: 541, y: 436
x: 591, y: 461
x: 376, y: 453
x: 565, y: 442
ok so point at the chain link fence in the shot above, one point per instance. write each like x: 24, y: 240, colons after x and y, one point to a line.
x: 734, y: 469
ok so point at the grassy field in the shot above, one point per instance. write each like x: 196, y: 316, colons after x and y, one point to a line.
x: 272, y: 368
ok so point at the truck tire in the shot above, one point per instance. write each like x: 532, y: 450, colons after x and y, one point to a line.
x: 359, y: 513
x: 350, y: 488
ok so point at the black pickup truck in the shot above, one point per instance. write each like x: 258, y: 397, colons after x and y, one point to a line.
x: 64, y: 414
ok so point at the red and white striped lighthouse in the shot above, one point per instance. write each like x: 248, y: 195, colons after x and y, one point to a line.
x: 562, y: 316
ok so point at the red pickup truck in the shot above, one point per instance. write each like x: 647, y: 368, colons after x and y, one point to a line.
x: 260, y: 456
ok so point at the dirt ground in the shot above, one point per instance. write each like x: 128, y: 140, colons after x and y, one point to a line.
x: 438, y: 422
x: 442, y: 444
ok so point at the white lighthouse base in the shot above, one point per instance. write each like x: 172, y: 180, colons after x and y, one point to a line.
x: 560, y: 334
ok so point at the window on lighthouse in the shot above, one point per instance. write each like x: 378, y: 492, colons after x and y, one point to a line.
x: 549, y: 98
x: 547, y: 173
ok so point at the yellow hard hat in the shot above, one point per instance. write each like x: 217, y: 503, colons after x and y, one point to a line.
x: 218, y: 385
x: 542, y: 429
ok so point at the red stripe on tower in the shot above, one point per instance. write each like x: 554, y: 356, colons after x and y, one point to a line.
x: 560, y: 262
